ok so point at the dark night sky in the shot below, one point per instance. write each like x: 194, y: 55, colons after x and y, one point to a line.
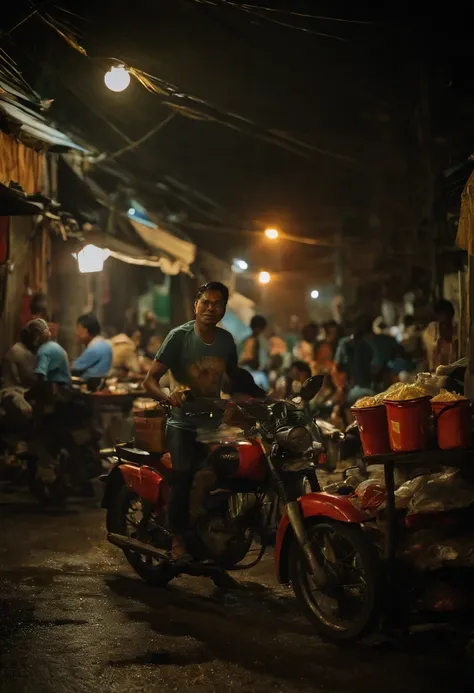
x: 355, y: 97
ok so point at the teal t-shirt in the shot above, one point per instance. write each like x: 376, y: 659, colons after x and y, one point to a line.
x: 52, y: 364
x: 197, y: 365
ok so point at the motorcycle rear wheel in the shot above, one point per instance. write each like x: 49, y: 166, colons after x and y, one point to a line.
x: 352, y: 596
x: 125, y: 503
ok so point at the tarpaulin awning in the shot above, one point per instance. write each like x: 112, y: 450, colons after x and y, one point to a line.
x: 123, y: 251
x: 178, y: 254
x: 14, y: 204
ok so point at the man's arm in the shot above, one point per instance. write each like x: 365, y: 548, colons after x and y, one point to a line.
x: 152, y: 380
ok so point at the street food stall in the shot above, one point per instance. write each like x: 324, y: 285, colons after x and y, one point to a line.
x: 419, y: 439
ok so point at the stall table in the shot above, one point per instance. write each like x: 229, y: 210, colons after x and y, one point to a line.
x: 460, y: 459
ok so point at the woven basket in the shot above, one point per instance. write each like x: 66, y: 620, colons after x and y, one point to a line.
x: 150, y: 426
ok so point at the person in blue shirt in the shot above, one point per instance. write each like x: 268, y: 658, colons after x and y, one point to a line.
x: 51, y: 360
x: 96, y: 359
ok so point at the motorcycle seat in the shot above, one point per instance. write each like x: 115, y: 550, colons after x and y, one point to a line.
x: 138, y: 456
x: 129, y: 453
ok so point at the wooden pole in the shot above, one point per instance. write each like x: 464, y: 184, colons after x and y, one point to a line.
x: 469, y: 380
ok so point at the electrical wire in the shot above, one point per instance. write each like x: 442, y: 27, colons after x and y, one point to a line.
x: 137, y: 143
x: 303, y: 14
x: 270, y: 20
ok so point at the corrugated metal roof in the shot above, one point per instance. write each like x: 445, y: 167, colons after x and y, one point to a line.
x: 32, y: 124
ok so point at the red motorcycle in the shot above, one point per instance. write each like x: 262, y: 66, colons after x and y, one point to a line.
x: 321, y: 546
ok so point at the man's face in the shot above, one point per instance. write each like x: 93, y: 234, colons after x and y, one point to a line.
x: 445, y: 319
x: 82, y: 334
x: 299, y: 376
x: 210, y: 308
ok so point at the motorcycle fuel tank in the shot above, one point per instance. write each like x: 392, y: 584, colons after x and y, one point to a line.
x: 240, y: 460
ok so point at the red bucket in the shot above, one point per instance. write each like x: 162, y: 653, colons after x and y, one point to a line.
x: 453, y: 423
x: 372, y: 423
x: 408, y: 424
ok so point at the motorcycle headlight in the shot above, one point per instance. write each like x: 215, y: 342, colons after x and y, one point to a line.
x: 294, y: 438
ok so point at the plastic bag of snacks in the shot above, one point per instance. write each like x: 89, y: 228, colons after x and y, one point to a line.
x: 446, y: 397
x: 438, y: 493
x: 429, y: 383
x: 427, y: 549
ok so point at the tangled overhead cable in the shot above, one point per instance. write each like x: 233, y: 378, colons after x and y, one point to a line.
x: 195, y: 108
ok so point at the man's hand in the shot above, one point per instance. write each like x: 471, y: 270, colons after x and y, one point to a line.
x: 177, y: 398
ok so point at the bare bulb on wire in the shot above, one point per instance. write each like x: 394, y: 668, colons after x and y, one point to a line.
x: 117, y: 78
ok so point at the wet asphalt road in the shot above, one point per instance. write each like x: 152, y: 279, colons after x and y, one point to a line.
x: 74, y: 618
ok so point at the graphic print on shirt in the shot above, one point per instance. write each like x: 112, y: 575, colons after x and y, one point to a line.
x: 205, y: 376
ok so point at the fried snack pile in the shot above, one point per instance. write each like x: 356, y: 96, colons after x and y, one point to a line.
x: 405, y: 392
x: 365, y: 402
x: 446, y: 397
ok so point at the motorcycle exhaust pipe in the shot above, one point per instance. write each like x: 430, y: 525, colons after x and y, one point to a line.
x: 128, y: 544
x: 296, y: 520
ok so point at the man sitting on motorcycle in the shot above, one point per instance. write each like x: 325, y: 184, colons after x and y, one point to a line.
x: 199, y: 354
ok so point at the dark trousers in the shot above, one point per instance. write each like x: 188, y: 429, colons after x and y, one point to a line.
x: 187, y: 456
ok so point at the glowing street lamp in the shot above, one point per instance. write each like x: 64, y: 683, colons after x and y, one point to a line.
x: 240, y: 265
x: 264, y: 277
x: 117, y: 78
x: 272, y: 234
x: 315, y: 294
x: 91, y: 258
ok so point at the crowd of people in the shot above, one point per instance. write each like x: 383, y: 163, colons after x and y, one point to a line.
x: 358, y: 359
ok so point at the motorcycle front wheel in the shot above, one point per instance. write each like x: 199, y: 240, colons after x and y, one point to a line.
x: 125, y: 516
x: 348, y: 606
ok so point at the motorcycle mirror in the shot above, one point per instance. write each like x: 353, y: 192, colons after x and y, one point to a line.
x: 280, y: 410
x: 311, y: 387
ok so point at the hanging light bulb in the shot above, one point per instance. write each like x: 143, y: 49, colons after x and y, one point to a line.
x: 91, y: 258
x: 117, y: 78
x: 264, y: 277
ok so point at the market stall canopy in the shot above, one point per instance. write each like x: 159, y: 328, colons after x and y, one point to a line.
x: 15, y: 204
x: 177, y: 254
x: 30, y: 126
x: 121, y: 250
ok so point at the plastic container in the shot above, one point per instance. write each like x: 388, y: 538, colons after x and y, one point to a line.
x: 453, y: 423
x: 408, y: 424
x: 372, y: 423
